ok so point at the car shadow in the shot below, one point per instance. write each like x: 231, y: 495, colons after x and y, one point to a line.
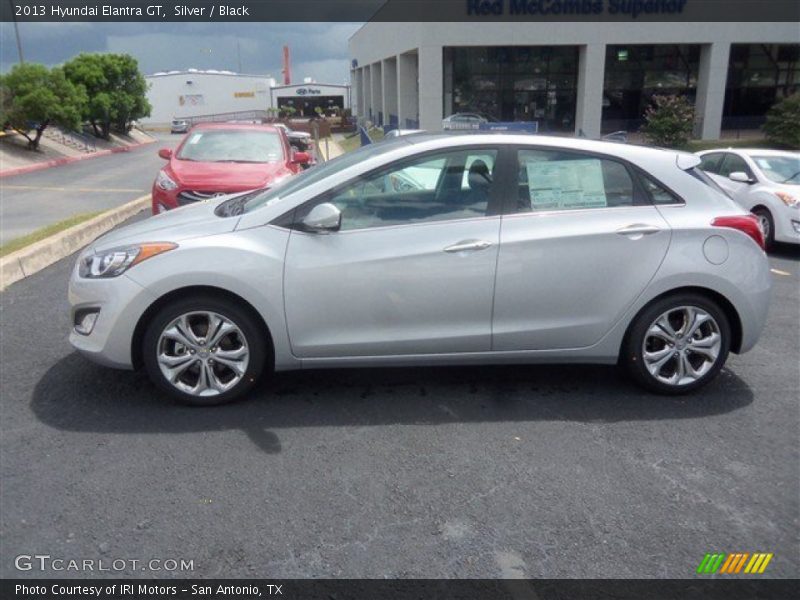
x: 788, y: 251
x: 76, y: 395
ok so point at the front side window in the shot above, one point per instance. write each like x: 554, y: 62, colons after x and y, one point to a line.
x: 734, y: 164
x: 437, y: 187
x: 710, y: 162
x: 555, y: 180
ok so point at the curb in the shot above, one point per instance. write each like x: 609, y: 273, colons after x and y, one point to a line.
x: 32, y: 259
x: 57, y: 162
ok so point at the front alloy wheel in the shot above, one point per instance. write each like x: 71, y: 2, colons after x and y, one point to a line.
x: 677, y: 345
x: 204, y: 351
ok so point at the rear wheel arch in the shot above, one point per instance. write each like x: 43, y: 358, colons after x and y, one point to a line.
x: 180, y: 293
x: 734, y: 320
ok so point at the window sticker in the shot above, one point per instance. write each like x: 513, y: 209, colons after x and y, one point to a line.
x: 764, y: 164
x: 195, y: 138
x: 555, y: 185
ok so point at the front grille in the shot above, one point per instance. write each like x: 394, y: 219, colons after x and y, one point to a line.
x: 191, y: 196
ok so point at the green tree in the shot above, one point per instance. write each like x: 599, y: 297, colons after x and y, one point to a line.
x: 116, y: 88
x: 669, y: 121
x: 783, y: 122
x: 34, y: 97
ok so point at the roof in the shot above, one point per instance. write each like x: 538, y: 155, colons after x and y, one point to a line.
x: 212, y: 72
x: 317, y: 83
x: 631, y: 151
x: 751, y: 151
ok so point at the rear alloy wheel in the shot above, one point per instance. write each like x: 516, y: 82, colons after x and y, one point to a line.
x: 767, y: 226
x: 204, y: 351
x: 678, y: 344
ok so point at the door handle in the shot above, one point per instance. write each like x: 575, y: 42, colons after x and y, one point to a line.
x: 638, y: 230
x: 468, y: 245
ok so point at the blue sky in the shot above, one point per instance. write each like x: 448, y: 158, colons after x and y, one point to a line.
x: 319, y: 50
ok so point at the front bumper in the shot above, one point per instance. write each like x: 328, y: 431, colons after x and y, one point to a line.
x: 121, y: 303
x: 787, y: 227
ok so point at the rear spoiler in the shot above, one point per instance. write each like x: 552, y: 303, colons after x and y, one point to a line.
x: 686, y: 161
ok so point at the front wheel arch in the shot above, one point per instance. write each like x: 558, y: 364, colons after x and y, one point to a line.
x: 155, y: 307
x: 725, y: 305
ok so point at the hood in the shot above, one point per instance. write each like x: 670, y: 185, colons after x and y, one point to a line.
x: 225, y: 176
x: 194, y: 220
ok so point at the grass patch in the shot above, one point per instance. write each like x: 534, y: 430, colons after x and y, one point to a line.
x: 353, y: 142
x: 45, y: 232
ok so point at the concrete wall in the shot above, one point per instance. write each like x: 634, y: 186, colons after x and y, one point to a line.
x: 377, y: 41
x: 173, y: 95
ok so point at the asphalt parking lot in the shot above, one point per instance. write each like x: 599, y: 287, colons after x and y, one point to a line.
x: 41, y: 198
x: 561, y: 472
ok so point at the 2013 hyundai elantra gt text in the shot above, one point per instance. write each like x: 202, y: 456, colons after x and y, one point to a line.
x: 435, y: 249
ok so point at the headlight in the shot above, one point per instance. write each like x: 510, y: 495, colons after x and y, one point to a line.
x: 165, y: 182
x: 116, y: 261
x: 788, y: 199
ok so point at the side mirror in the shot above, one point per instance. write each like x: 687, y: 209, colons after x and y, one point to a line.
x: 301, y: 158
x: 740, y: 177
x: 323, y: 217
x: 165, y: 153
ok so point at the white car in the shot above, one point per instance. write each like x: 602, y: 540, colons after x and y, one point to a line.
x: 765, y: 182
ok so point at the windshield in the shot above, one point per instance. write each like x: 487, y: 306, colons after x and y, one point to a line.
x: 314, y: 175
x: 780, y: 169
x: 232, y: 145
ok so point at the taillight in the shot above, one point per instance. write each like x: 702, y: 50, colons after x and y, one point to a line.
x: 747, y: 224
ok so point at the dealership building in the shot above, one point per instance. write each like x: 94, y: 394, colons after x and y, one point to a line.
x: 579, y: 76
x: 306, y: 97
x: 210, y: 93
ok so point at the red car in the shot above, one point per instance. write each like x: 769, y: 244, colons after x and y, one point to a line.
x: 215, y: 159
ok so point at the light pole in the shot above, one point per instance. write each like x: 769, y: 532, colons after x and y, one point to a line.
x: 16, y: 32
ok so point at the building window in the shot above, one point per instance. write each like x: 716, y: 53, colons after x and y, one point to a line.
x: 514, y: 83
x: 634, y: 74
x: 759, y: 75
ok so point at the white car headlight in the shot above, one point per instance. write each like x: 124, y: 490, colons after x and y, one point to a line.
x: 165, y: 182
x: 788, y: 199
x: 116, y: 261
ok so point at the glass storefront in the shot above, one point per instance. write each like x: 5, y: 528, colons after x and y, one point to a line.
x: 635, y: 73
x: 513, y: 83
x: 759, y: 75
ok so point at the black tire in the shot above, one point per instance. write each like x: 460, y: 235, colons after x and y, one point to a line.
x: 256, y: 339
x: 769, y: 224
x: 632, y: 359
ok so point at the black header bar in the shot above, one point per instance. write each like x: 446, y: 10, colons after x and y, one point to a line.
x: 476, y: 11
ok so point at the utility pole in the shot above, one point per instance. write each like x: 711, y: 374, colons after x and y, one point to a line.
x: 16, y: 32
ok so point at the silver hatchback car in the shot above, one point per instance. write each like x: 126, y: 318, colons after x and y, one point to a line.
x: 430, y: 250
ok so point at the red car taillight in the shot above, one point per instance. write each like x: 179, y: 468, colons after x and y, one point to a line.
x: 747, y: 224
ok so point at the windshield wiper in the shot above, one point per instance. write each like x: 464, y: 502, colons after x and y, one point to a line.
x: 235, y: 206
x: 231, y: 160
x: 787, y: 180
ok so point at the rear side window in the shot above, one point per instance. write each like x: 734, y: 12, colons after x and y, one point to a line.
x: 711, y: 162
x: 556, y: 180
x: 658, y: 193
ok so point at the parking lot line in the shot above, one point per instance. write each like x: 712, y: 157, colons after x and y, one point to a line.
x: 72, y: 189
